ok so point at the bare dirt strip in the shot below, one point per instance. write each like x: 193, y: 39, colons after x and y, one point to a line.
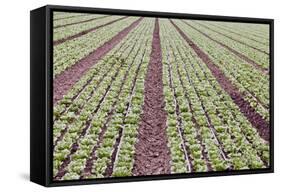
x: 242, y: 56
x: 60, y: 41
x: 256, y: 119
x: 79, y: 22
x: 229, y: 37
x: 64, y: 81
x: 152, y: 155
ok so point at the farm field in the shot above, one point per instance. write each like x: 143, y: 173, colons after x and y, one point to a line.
x: 149, y: 96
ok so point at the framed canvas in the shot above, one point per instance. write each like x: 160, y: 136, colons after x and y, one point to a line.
x: 124, y: 95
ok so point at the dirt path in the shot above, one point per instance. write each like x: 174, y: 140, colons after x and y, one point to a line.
x: 249, y: 112
x: 152, y: 156
x: 60, y: 41
x: 64, y: 81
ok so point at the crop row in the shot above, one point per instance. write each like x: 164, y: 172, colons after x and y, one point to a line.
x: 182, y: 122
x: 90, y: 84
x: 260, y: 58
x: 259, y: 32
x: 243, y: 150
x: 101, y: 130
x: 87, y: 85
x: 250, y: 82
x: 75, y: 20
x: 103, y: 149
x: 237, y: 38
x: 237, y: 33
x: 213, y: 94
x: 70, y: 52
x: 130, y: 108
x: 100, y: 92
x: 84, y: 90
x: 64, y: 32
x: 65, y: 15
x: 115, y: 154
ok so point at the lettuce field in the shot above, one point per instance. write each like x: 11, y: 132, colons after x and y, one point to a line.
x: 150, y: 96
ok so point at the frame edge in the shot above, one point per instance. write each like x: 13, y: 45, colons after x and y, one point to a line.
x: 38, y: 157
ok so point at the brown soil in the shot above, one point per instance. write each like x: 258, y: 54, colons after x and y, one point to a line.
x: 79, y: 22
x: 242, y: 56
x: 256, y: 119
x: 64, y: 81
x: 60, y: 41
x: 229, y: 37
x: 152, y: 154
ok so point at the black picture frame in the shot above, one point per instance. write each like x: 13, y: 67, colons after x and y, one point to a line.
x: 41, y: 94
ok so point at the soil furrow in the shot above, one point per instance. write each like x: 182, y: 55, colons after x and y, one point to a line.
x: 240, y: 55
x: 64, y: 81
x: 256, y: 119
x: 152, y: 155
x: 60, y: 41
x: 80, y: 22
x: 233, y: 39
